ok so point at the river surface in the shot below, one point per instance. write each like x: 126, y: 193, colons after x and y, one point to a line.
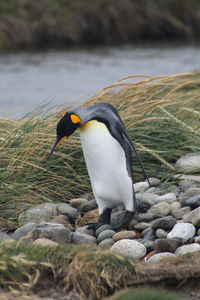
x: 29, y: 80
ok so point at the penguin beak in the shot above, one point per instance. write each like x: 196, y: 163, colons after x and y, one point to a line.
x: 57, y: 142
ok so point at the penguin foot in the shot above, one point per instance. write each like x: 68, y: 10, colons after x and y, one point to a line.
x: 104, y: 218
x: 125, y: 221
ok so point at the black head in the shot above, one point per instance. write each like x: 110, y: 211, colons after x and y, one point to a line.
x: 66, y: 127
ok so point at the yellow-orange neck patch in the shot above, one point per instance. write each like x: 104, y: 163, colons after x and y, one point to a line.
x: 75, y: 119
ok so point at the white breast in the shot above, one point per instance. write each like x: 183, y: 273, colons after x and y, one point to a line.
x: 106, y: 164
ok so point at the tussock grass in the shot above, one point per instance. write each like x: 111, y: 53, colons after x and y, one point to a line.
x: 85, y: 271
x: 161, y: 114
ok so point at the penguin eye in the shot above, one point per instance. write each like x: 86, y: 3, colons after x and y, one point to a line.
x: 75, y: 119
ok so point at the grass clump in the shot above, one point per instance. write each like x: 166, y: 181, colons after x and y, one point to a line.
x: 161, y: 115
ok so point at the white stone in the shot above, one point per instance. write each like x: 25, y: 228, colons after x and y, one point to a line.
x: 154, y: 181
x: 182, y: 230
x: 193, y: 217
x: 141, y: 186
x: 187, y: 249
x: 148, y: 198
x: 160, y: 209
x: 169, y: 198
x: 156, y: 258
x: 174, y: 207
x: 130, y: 248
x: 189, y: 162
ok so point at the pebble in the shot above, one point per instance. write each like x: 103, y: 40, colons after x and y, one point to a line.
x: 174, y: 207
x: 141, y: 186
x: 147, y: 243
x: 166, y: 245
x: 68, y: 210
x: 132, y: 224
x: 160, y: 209
x: 141, y: 226
x: 52, y: 231
x: 179, y: 213
x: 182, y: 230
x: 23, y: 230
x: 193, y: 217
x: 102, y: 228
x: 85, y: 230
x: 189, y: 162
x: 161, y: 234
x: 191, y: 192
x: 40, y: 213
x: 108, y: 233
x: 124, y: 234
x: 106, y: 244
x: 44, y: 242
x: 145, y: 217
x: 90, y: 216
x: 89, y: 205
x: 81, y: 238
x: 116, y: 218
x: 62, y: 219
x: 145, y: 231
x: 154, y: 181
x: 197, y: 239
x: 77, y: 202
x: 159, y: 256
x: 150, y: 235
x: 169, y: 198
x: 187, y: 249
x: 130, y: 248
x: 148, y: 198
x: 194, y: 201
x: 165, y: 223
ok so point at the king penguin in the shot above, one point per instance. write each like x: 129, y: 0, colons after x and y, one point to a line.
x: 107, y: 150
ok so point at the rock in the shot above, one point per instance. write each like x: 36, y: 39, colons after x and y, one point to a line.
x: 182, y: 230
x: 132, y: 224
x: 193, y: 217
x: 44, y: 242
x: 188, y: 163
x: 55, y: 232
x: 102, y: 228
x: 181, y: 212
x: 40, y: 213
x: 89, y: 205
x: 154, y: 181
x: 81, y: 238
x: 62, y: 219
x: 197, y: 239
x: 124, y: 234
x: 141, y: 206
x: 188, y: 194
x: 193, y: 202
x: 147, y: 243
x: 130, y: 248
x: 146, y: 217
x: 141, y: 226
x: 166, y: 245
x: 23, y: 230
x: 106, y: 244
x: 174, y: 189
x: 185, y: 184
x: 90, y: 216
x: 174, y: 207
x: 150, y: 236
x: 108, y: 233
x: 87, y: 196
x: 187, y: 249
x: 161, y: 234
x: 148, y: 198
x: 68, y: 210
x: 159, y: 256
x: 4, y: 236
x: 85, y: 230
x: 141, y: 186
x: 116, y: 218
x: 169, y: 198
x: 77, y: 202
x: 160, y: 209
x: 146, y: 231
x: 165, y: 223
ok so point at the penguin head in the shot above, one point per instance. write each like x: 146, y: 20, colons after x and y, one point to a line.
x: 66, y: 127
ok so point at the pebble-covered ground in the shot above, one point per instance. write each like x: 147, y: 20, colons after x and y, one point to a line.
x: 166, y: 224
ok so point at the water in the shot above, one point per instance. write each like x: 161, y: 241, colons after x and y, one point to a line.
x: 28, y: 80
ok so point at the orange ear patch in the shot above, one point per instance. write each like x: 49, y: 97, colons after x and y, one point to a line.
x: 75, y: 119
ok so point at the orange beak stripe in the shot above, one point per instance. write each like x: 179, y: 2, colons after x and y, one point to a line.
x: 61, y: 141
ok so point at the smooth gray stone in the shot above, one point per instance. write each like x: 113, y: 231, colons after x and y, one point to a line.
x: 85, y: 207
x: 80, y: 238
x: 106, y: 234
x: 85, y: 230
x: 52, y: 231
x: 166, y: 245
x: 23, y: 230
x: 145, y: 217
x: 132, y: 224
x: 150, y: 236
x: 193, y: 202
x: 187, y: 249
x: 145, y: 231
x: 161, y: 234
x: 102, y: 228
x: 40, y: 213
x: 68, y: 210
x: 107, y: 243
x: 191, y: 192
x: 165, y: 223
x: 147, y: 243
